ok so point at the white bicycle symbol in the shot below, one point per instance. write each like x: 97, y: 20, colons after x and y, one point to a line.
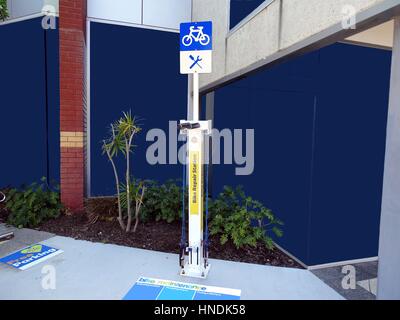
x: 197, y: 35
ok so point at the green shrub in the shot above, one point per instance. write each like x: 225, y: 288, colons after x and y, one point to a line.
x: 233, y: 215
x: 163, y: 202
x: 3, y: 10
x: 241, y: 219
x: 160, y: 202
x: 31, y: 206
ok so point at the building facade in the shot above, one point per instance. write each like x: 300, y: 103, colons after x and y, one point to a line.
x: 319, y: 118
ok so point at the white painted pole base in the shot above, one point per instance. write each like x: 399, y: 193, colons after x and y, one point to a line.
x: 194, y: 271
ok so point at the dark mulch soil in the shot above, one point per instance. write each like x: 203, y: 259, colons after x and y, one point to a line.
x: 159, y: 236
x: 3, y: 213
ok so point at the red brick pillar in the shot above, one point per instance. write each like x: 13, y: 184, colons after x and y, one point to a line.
x: 72, y: 26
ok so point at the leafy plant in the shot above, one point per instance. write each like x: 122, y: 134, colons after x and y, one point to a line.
x: 33, y: 205
x: 160, y: 202
x: 3, y: 10
x: 243, y: 220
x: 163, y: 202
x: 121, y: 140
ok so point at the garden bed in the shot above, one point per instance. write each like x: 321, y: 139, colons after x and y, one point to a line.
x: 159, y: 236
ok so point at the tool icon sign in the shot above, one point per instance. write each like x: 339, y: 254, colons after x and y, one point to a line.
x: 195, y: 61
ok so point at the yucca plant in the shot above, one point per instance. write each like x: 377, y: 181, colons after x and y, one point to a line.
x: 111, y: 147
x: 136, y: 193
x: 127, y: 128
x: 121, y: 140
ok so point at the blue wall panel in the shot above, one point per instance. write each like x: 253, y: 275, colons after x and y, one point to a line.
x: 283, y: 131
x: 350, y: 136
x: 319, y: 125
x: 133, y: 69
x: 279, y: 105
x: 53, y: 114
x: 26, y: 151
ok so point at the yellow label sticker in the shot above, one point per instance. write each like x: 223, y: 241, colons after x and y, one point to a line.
x: 194, y: 182
x: 33, y: 249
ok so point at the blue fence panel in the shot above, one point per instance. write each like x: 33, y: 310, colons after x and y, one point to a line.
x: 53, y: 109
x: 133, y: 69
x: 281, y: 113
x: 319, y: 125
x: 350, y: 135
x: 28, y: 134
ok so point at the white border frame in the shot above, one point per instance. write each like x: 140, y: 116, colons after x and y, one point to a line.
x: 134, y: 25
x: 20, y: 19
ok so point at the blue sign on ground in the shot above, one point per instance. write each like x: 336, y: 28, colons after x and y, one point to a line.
x: 196, y: 36
x: 30, y: 256
x: 155, y: 289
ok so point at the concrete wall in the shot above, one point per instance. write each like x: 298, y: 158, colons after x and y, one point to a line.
x: 389, y: 254
x: 166, y: 14
x: 380, y: 36
x: 249, y: 43
x: 281, y: 25
x: 302, y: 19
x: 218, y: 12
x: 22, y: 8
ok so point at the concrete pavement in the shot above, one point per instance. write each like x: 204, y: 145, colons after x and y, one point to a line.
x: 87, y: 270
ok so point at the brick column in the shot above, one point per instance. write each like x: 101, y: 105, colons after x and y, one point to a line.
x: 72, y: 25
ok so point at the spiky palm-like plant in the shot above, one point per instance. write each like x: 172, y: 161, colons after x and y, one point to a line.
x: 121, y: 140
x: 127, y: 128
x: 111, y: 147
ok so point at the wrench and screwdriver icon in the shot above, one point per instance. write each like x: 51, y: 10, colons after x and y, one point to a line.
x: 195, y: 61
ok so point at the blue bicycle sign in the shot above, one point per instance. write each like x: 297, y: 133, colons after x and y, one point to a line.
x: 196, y: 36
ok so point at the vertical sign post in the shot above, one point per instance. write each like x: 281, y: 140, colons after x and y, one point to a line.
x: 195, y: 58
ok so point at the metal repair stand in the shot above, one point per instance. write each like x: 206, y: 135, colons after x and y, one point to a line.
x: 194, y: 257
